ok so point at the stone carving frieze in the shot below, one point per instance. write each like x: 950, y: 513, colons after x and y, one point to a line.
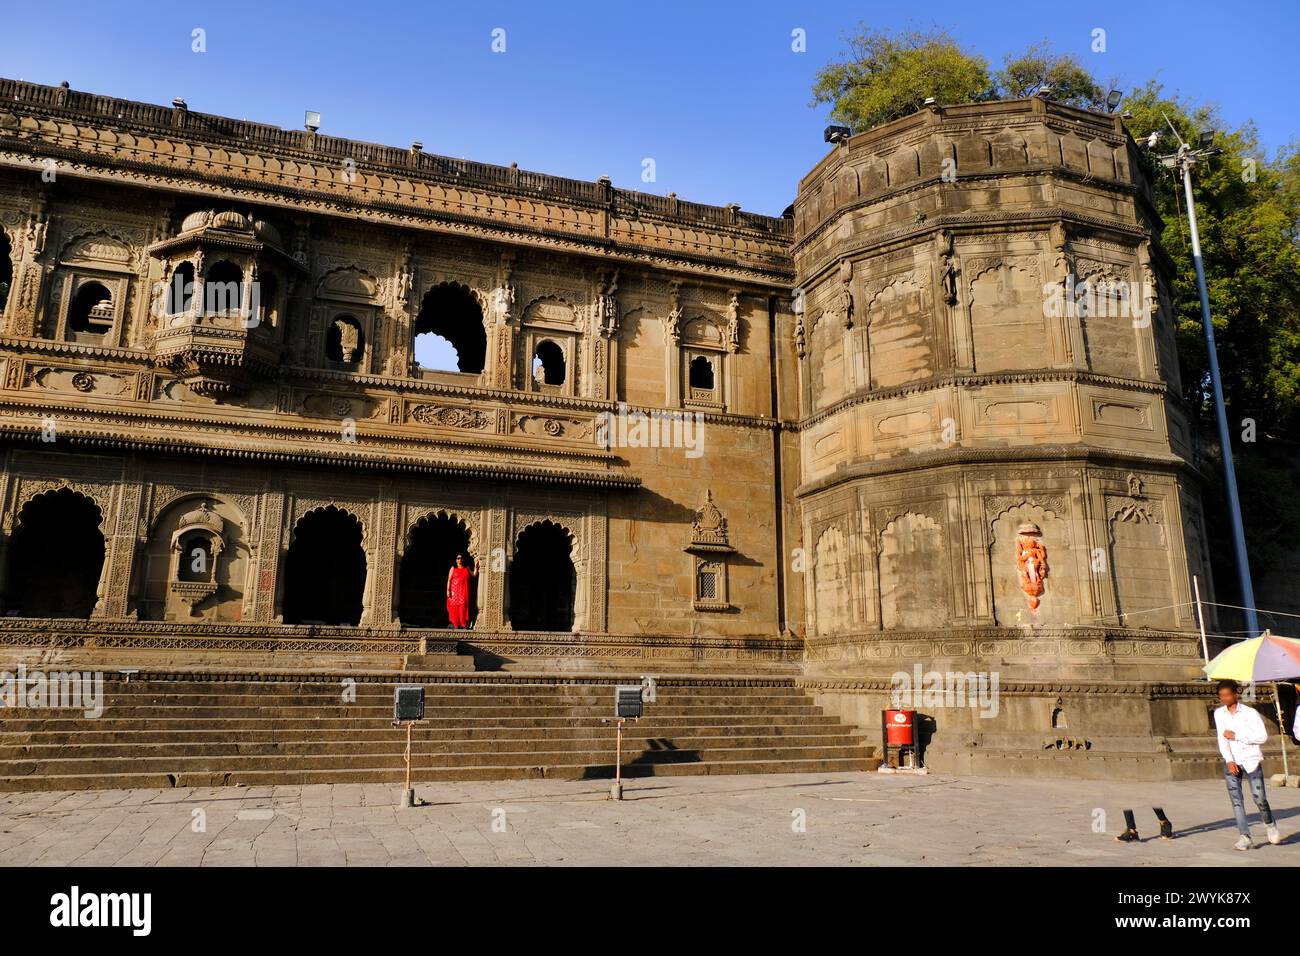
x: 451, y: 416
x: 544, y: 426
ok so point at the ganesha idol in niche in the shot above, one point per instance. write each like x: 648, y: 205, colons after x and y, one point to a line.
x: 1031, y: 562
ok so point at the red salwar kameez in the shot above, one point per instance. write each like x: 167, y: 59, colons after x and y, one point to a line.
x: 458, y: 597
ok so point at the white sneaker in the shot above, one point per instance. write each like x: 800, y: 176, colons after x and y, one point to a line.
x: 1243, y: 843
x: 1273, y: 836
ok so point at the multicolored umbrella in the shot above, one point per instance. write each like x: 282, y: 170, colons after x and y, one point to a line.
x: 1259, y: 659
x: 1263, y: 658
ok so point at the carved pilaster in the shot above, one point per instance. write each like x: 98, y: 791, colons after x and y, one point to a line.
x: 120, y: 551
x: 381, y: 562
x: 492, y: 567
x: 270, y: 556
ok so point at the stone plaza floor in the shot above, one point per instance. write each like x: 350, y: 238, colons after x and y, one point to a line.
x: 778, y: 819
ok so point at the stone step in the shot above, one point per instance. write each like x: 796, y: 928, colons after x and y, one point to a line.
x: 603, y: 701
x: 176, y: 732
x: 346, y: 733
x: 431, y: 712
x: 384, y: 690
x: 233, y: 724
x: 76, y: 766
x: 126, y: 780
x: 307, y: 747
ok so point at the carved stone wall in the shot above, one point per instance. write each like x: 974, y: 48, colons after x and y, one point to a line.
x: 965, y: 403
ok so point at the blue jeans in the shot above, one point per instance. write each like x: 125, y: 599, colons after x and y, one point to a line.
x: 1256, y: 780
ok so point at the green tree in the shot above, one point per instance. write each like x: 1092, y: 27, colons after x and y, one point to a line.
x: 1026, y: 74
x: 1248, y: 209
x: 884, y: 77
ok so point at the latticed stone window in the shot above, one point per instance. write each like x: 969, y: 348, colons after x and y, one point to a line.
x: 706, y: 583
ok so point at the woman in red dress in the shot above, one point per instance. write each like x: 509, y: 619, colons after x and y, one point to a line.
x: 458, y: 592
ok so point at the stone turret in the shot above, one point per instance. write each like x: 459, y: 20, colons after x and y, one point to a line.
x: 988, y: 348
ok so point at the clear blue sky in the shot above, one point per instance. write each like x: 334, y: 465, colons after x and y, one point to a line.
x: 711, y: 91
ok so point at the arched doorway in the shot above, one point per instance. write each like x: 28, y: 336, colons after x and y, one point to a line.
x: 325, y: 573
x: 431, y: 546
x: 56, y: 557
x: 6, y: 269
x: 542, y: 579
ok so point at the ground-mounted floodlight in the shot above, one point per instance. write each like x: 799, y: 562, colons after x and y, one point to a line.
x: 837, y: 134
x: 311, y: 120
x: 408, y: 703
x: 1113, y: 99
x: 408, y: 707
x: 629, y: 704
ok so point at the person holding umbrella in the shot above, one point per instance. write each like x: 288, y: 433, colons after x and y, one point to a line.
x: 1268, y: 657
x: 1241, y: 733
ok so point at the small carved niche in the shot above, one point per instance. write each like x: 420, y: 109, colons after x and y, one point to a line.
x: 709, y: 548
x: 196, y: 544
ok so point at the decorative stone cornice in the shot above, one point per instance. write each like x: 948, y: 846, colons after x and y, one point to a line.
x: 883, y: 241
x: 966, y: 456
x: 339, y: 457
x: 971, y: 379
x: 1149, y: 690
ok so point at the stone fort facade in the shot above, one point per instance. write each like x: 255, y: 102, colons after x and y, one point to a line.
x: 678, y: 437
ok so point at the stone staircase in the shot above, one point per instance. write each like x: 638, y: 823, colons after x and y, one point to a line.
x: 196, y: 730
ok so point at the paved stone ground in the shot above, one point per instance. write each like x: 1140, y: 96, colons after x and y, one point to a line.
x: 850, y: 819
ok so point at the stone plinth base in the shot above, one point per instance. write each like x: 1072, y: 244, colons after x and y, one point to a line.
x: 1014, y: 653
x: 111, y: 645
x: 1127, y: 730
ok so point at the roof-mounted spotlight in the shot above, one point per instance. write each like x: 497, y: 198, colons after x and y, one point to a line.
x: 1113, y: 99
x: 837, y: 134
x: 931, y: 101
x: 311, y: 120
x: 1045, y: 91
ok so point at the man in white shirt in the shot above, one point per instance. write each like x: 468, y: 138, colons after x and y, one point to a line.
x: 1241, y: 733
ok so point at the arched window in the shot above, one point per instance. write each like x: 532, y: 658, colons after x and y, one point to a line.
x: 91, y: 312
x: 6, y: 269
x: 548, y: 364
x: 344, y: 340
x: 223, y: 288
x: 180, y: 291
x: 449, y: 334
x: 197, y: 558
x: 701, y: 373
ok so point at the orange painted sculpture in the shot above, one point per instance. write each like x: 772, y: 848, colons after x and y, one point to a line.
x: 1031, y: 562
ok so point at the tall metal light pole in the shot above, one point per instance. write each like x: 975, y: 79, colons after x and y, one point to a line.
x: 1183, y: 160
